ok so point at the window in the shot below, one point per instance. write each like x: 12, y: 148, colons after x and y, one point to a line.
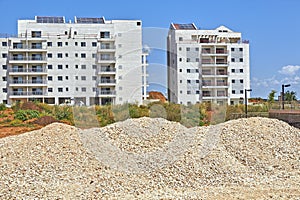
x: 60, y: 89
x: 83, y: 44
x: 4, y: 55
x: 83, y: 78
x: 180, y: 91
x: 232, y: 60
x: 180, y: 81
x: 49, y: 44
x: 241, y: 71
x: 59, y: 67
x: 50, y: 89
x: 59, y: 78
x: 180, y: 38
x: 119, y: 45
x: 59, y: 55
x: 120, y: 56
x: 66, y: 77
x: 76, y: 89
x: 59, y: 44
x: 49, y: 55
x: 94, y: 78
x: 188, y: 81
x: 66, y: 55
x: 94, y: 89
x: 233, y: 81
x: 197, y: 81
x: 197, y: 59
x: 94, y: 55
x: 4, y: 90
x: 188, y: 70
x: 66, y: 43
x: 83, y: 89
x: 241, y: 60
x: 76, y: 66
x: 180, y: 70
x: 232, y: 49
x: 120, y: 88
x: 105, y: 34
x: 50, y: 67
x: 180, y: 48
x: 232, y: 70
x: 188, y: 60
x: 76, y: 55
x: 242, y: 91
x: 36, y: 34
x: 67, y: 66
x: 76, y: 77
x: 241, y: 81
x: 83, y: 55
x: 188, y: 92
x: 50, y: 78
x: 67, y: 89
x: 197, y: 92
x: 120, y: 77
x: 197, y: 49
x: 188, y: 49
x: 4, y: 78
x: 66, y: 32
x: 233, y: 91
x: 180, y: 59
x: 138, y: 23
x: 4, y: 67
x: 4, y: 44
x: 76, y: 43
x: 83, y: 66
x: 94, y: 44
x: 94, y: 66
x: 120, y: 66
x: 75, y: 32
x: 240, y: 49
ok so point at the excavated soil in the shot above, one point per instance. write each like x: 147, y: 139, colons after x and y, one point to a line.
x: 254, y: 158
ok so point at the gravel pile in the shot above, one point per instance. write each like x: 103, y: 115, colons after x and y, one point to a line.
x: 153, y: 159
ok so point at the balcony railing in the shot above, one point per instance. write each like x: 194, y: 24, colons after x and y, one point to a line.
x: 218, y: 73
x: 28, y: 70
x: 33, y: 58
x: 214, y: 84
x: 107, y: 47
x: 107, y: 69
x: 107, y: 81
x: 107, y: 92
x: 27, y: 81
x: 27, y: 47
x: 30, y: 93
x: 217, y: 51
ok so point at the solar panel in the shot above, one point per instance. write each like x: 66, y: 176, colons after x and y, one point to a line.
x: 53, y: 20
x: 88, y: 20
x: 186, y: 26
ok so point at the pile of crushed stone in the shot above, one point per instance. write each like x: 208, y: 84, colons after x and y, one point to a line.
x: 153, y: 158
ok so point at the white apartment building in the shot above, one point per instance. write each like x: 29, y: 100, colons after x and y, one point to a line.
x: 207, y: 65
x: 90, y: 60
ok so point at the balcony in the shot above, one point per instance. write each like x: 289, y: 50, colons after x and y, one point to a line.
x: 107, y: 70
x: 107, y: 82
x: 215, y: 52
x: 18, y: 94
x: 106, y: 38
x: 27, y: 83
x: 214, y: 85
x: 107, y: 48
x: 107, y: 93
x: 106, y: 60
x: 29, y: 59
x: 28, y: 48
x: 22, y: 71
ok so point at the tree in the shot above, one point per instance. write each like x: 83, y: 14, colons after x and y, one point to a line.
x: 290, y: 96
x: 271, y: 96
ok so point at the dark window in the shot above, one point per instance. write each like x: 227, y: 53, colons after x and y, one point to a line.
x: 60, y: 89
x: 50, y: 78
x: 197, y: 49
x: 188, y: 49
x: 232, y: 49
x: 4, y: 67
x: 94, y: 44
x: 59, y: 78
x: 66, y: 77
x: 49, y: 44
x: 232, y: 81
x: 241, y: 81
x: 76, y: 55
x: 233, y: 92
x: 75, y: 32
x: 83, y: 66
x: 188, y: 60
x: 66, y: 32
x: 59, y: 55
x: 241, y: 71
x: 94, y: 66
x: 180, y: 38
x: 241, y: 60
x: 83, y: 78
x: 50, y: 67
x: 66, y: 43
x: 180, y: 70
x: 242, y: 91
x: 188, y: 81
x: 232, y: 70
x: 67, y: 66
x: 188, y: 70
x: 49, y: 55
x: 83, y: 44
x: 4, y: 55
x: 76, y: 43
x: 59, y: 67
x: 67, y: 89
x: 83, y: 55
x: 76, y: 66
x: 241, y: 49
x: 188, y: 92
x: 138, y: 23
x: 66, y: 54
x: 4, y: 44
x: 83, y: 89
x: 59, y: 44
x: 232, y: 60
x: 180, y: 59
x: 50, y: 89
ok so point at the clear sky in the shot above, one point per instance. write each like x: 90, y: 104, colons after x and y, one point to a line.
x: 271, y: 26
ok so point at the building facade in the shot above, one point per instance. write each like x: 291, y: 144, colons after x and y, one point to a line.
x: 207, y: 65
x: 88, y: 61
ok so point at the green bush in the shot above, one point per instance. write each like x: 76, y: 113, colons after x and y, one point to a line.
x: 63, y: 113
x: 2, y: 107
x: 24, y: 115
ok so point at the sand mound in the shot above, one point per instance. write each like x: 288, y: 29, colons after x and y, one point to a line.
x: 153, y: 158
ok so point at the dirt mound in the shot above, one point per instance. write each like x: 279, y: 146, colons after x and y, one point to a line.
x: 153, y: 159
x: 45, y: 120
x: 30, y: 106
x: 157, y: 95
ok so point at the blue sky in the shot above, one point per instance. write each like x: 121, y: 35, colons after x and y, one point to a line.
x: 271, y: 26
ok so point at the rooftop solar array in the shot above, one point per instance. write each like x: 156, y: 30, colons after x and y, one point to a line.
x: 86, y: 20
x: 53, y: 20
x: 185, y: 26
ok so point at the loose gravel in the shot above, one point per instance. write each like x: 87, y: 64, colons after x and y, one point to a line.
x: 152, y: 158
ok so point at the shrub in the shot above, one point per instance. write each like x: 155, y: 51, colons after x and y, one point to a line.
x: 24, y: 115
x: 2, y: 107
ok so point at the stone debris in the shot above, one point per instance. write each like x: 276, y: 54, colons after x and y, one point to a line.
x: 152, y: 158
